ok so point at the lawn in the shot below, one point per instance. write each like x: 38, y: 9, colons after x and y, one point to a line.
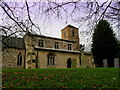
x: 61, y: 78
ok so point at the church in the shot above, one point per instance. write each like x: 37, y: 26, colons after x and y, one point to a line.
x: 39, y: 51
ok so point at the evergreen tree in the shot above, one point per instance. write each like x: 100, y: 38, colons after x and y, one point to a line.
x: 104, y: 44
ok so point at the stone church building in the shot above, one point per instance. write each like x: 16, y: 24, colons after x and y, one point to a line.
x: 39, y: 51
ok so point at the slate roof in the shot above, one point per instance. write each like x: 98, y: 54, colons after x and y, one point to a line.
x: 13, y: 42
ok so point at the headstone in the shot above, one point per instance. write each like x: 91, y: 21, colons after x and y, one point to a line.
x: 116, y: 62
x: 105, y: 63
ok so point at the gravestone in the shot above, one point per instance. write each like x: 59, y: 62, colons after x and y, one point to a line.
x: 105, y: 63
x: 116, y: 62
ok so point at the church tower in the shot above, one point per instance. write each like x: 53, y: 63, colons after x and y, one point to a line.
x: 71, y: 33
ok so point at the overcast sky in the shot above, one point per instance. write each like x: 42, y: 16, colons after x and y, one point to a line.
x: 52, y: 26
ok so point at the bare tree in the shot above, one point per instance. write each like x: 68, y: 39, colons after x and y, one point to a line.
x: 22, y: 17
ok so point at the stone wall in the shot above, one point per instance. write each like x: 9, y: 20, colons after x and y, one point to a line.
x: 40, y: 56
x: 33, y: 41
x: 87, y: 60
x: 60, y: 60
x: 10, y: 57
x: 66, y: 34
x: 33, y: 58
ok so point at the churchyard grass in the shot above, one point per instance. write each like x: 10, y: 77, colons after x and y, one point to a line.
x: 61, y: 78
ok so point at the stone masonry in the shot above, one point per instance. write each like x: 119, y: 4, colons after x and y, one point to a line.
x: 39, y: 51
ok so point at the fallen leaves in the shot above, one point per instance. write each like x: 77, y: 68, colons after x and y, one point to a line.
x: 66, y: 78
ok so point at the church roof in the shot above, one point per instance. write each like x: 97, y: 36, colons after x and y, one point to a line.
x: 70, y: 26
x: 57, y: 50
x: 13, y: 42
x: 52, y: 38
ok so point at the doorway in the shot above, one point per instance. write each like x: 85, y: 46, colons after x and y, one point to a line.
x: 69, y: 63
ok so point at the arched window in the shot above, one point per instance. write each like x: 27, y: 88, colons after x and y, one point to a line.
x: 50, y: 59
x: 19, y: 61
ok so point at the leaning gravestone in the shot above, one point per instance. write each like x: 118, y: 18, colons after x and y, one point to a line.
x: 105, y: 63
x: 116, y: 62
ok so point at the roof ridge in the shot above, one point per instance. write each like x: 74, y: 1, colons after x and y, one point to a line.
x: 52, y: 37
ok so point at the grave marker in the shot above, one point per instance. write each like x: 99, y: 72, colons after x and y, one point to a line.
x: 116, y: 62
x: 105, y: 63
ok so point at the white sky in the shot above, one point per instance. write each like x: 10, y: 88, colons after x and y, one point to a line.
x: 53, y: 26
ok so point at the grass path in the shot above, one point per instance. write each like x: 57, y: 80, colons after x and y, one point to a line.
x: 61, y: 78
